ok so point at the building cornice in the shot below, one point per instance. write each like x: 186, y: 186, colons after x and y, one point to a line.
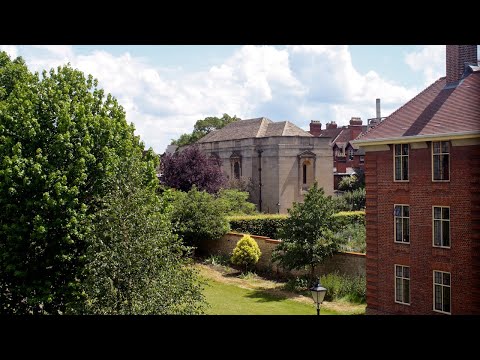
x: 418, y: 138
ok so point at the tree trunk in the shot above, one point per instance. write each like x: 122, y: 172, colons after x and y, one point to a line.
x: 312, y: 273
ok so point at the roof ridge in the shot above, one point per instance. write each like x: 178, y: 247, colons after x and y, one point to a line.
x: 263, y: 120
x: 284, y: 128
x: 400, y: 108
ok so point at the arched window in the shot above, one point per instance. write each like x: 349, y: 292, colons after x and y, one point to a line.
x: 236, y: 170
x: 236, y: 165
x: 306, y: 170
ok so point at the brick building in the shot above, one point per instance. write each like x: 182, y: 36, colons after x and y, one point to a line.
x: 348, y: 159
x: 422, y: 168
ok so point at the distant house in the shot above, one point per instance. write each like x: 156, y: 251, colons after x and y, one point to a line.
x: 348, y: 159
x: 279, y: 160
x: 422, y: 172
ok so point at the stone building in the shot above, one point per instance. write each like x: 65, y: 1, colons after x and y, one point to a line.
x: 279, y: 160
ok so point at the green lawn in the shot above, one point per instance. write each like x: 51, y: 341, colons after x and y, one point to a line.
x: 226, y: 299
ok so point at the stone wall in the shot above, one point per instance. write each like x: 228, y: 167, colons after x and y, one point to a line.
x: 347, y: 263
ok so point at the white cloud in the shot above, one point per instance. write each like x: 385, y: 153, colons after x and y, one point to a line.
x: 428, y: 60
x: 296, y: 83
x: 10, y: 50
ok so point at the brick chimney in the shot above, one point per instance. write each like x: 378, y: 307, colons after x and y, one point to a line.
x: 356, y: 121
x: 315, y: 127
x: 457, y: 56
x: 331, y: 125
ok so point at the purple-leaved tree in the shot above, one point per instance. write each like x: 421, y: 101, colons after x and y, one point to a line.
x: 183, y: 169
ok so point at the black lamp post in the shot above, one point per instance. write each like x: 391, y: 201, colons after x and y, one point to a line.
x: 278, y: 208
x: 318, y: 293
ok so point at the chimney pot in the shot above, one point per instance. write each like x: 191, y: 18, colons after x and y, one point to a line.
x: 331, y: 125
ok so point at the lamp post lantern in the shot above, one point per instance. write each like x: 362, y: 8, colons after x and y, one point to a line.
x: 318, y: 293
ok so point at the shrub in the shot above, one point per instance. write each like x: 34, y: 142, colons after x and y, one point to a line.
x: 338, y: 286
x: 198, y: 216
x: 351, y: 200
x: 299, y: 284
x: 246, y: 253
x: 236, y: 202
x: 262, y: 224
x: 135, y: 264
x: 352, y: 237
x: 219, y: 259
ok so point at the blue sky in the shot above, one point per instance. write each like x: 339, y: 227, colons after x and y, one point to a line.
x: 166, y: 88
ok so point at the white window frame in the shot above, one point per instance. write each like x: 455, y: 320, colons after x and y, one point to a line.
x: 401, y: 162
x: 441, y: 227
x: 402, y: 278
x: 442, y: 285
x: 442, y: 153
x: 395, y: 224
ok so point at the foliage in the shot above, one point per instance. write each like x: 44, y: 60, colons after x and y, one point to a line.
x: 188, y: 167
x: 218, y: 260
x: 352, y: 237
x: 198, y: 216
x: 235, y: 202
x: 352, y: 182
x: 62, y: 144
x: 203, y: 127
x: 344, y: 218
x: 242, y: 184
x: 262, y: 224
x: 299, y: 284
x: 136, y: 265
x: 308, y: 233
x: 246, y: 253
x: 351, y: 200
x: 338, y: 286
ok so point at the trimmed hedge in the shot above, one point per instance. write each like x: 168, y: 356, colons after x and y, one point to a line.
x: 351, y: 217
x: 269, y: 224
x: 263, y: 225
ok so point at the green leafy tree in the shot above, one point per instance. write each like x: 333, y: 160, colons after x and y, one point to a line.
x: 136, y: 265
x: 308, y: 233
x: 236, y: 202
x: 203, y: 127
x: 198, y: 216
x: 246, y: 252
x: 353, y: 182
x: 62, y: 145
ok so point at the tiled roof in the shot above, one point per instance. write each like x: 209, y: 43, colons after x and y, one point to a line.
x: 331, y: 133
x: 254, y: 128
x: 436, y: 110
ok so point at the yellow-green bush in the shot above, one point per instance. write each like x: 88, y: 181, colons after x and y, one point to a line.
x: 246, y: 253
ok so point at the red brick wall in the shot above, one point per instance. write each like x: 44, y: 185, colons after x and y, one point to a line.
x: 462, y: 260
x: 457, y: 55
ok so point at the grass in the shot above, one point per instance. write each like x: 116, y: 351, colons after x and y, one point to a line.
x: 229, y: 293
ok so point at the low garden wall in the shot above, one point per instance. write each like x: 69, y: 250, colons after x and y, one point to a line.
x: 348, y: 263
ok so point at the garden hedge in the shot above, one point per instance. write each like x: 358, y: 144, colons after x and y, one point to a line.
x: 269, y: 224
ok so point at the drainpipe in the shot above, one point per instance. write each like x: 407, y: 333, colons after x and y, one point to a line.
x: 260, y: 179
